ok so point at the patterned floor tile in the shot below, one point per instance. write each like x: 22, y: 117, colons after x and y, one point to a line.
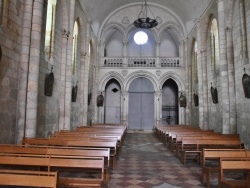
x: 146, y: 163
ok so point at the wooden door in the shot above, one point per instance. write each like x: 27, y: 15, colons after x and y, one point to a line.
x: 141, y: 104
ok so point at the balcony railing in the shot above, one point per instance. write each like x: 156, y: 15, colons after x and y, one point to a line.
x: 142, y: 62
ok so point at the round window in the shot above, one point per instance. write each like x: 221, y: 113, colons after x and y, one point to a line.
x: 140, y: 37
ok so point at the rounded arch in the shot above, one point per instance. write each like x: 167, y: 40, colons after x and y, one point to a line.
x: 172, y: 75
x: 132, y: 28
x: 111, y: 75
x: 111, y: 26
x: 138, y: 74
x: 173, y: 26
x: 175, y: 16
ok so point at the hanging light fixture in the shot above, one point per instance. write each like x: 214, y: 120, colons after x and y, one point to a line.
x: 143, y: 20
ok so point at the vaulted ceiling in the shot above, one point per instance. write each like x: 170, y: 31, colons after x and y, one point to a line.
x: 186, y: 10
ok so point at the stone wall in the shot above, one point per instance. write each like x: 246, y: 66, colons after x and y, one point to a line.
x: 48, y: 106
x: 10, y: 42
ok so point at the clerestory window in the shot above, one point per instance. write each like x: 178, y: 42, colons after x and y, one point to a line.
x: 50, y: 28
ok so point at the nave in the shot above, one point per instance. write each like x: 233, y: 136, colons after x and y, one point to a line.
x: 146, y: 163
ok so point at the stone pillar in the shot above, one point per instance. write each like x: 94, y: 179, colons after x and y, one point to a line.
x: 124, y: 107
x: 101, y: 51
x: 245, y: 59
x: 231, y: 79
x: 124, y: 53
x: 86, y: 77
x: 23, y: 71
x: 81, y: 93
x: 205, y: 89
x: 65, y: 35
x: 34, y: 61
x: 223, y: 69
x: 158, y: 63
x: 200, y: 76
x: 158, y: 107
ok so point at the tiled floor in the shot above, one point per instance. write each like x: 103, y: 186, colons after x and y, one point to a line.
x: 146, y: 163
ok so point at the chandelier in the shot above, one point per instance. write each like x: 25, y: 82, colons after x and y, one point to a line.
x: 144, y: 21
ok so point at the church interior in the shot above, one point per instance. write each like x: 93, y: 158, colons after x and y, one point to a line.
x: 153, y: 80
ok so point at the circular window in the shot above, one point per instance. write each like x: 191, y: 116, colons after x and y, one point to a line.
x: 140, y: 37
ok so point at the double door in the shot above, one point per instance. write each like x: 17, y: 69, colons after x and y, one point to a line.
x: 141, y: 105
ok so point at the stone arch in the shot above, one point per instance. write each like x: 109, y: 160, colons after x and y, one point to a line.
x: 175, y: 16
x: 173, y: 26
x: 180, y: 83
x: 111, y: 75
x: 141, y: 73
x: 113, y: 25
x: 132, y: 27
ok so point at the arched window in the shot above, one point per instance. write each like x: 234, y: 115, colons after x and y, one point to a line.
x: 214, y: 40
x: 195, y: 64
x: 50, y: 28
x: 74, y: 50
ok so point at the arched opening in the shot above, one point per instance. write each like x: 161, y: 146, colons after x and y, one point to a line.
x: 214, y: 39
x: 50, y: 28
x: 112, y: 113
x: 141, y: 104
x: 74, y: 48
x: 170, y: 103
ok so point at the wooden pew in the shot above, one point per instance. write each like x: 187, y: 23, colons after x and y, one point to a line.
x: 236, y: 165
x: 75, y: 143
x: 60, y: 164
x: 193, y: 147
x: 28, y: 178
x: 67, y: 151
x: 210, y: 161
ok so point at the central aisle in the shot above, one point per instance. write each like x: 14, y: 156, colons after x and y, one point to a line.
x: 146, y: 162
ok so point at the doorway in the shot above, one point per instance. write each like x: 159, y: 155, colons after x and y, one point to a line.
x: 112, y: 102
x: 170, y: 110
x: 141, y: 104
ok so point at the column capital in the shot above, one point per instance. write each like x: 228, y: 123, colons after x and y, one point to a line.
x: 157, y: 42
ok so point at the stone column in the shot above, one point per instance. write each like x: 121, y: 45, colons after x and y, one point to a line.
x: 34, y: 61
x: 231, y: 79
x: 81, y: 93
x: 101, y: 51
x: 205, y: 89
x: 65, y: 35
x: 245, y: 59
x: 23, y: 71
x: 158, y: 63
x: 124, y: 107
x: 124, y: 53
x: 200, y: 76
x: 158, y: 106
x: 86, y: 76
x: 223, y: 69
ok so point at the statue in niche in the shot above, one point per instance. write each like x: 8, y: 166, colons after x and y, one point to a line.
x: 74, y: 92
x: 246, y: 84
x: 100, y: 100
x: 183, y: 101
x: 196, y: 100
x: 49, y: 82
x: 214, y: 94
